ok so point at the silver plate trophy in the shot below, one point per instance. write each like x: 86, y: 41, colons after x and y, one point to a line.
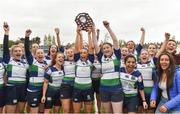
x: 84, y: 21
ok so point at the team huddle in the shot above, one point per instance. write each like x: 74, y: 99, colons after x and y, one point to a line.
x: 68, y: 79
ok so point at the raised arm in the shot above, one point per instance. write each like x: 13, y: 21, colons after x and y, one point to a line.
x: 90, y: 43
x: 6, y: 54
x: 28, y: 54
x: 113, y: 36
x: 57, y: 31
x: 95, y: 41
x: 163, y: 46
x: 98, y: 32
x: 78, y: 41
x: 142, y: 36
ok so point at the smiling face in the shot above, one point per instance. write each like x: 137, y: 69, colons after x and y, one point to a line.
x: 70, y: 54
x: 59, y: 59
x: 34, y: 47
x: 144, y: 56
x: 124, y: 52
x: 17, y: 52
x: 84, y: 54
x: 39, y: 55
x: 53, y: 49
x: 152, y: 49
x: 171, y: 46
x: 131, y: 46
x: 107, y: 50
x: 21, y: 45
x: 130, y: 64
x: 164, y: 62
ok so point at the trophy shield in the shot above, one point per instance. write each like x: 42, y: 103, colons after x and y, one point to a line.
x: 84, y: 21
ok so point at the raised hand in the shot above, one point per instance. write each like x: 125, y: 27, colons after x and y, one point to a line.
x: 167, y: 36
x: 142, y: 36
x: 57, y: 31
x: 142, y: 29
x: 89, y: 30
x: 28, y: 33
x: 6, y: 28
x: 78, y: 30
x: 106, y: 24
x: 97, y: 31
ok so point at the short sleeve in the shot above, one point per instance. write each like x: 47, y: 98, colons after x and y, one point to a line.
x: 140, y: 81
x: 139, y: 48
x: 76, y: 57
x: 117, y: 53
x: 47, y: 74
x: 61, y: 49
x: 99, y: 56
x: 91, y: 58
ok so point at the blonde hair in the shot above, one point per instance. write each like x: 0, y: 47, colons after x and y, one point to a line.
x: 13, y: 47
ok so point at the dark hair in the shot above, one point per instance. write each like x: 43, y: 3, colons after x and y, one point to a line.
x: 18, y: 42
x: 68, y: 46
x: 33, y: 44
x: 107, y: 44
x: 170, y: 70
x: 50, y: 47
x: 129, y: 56
x: 172, y: 40
x: 85, y: 49
x: 132, y: 42
x: 153, y: 44
x: 53, y: 62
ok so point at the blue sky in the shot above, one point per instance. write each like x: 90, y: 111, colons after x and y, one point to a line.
x: 125, y: 17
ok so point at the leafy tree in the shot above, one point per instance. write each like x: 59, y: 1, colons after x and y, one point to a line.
x: 11, y: 43
x: 36, y: 40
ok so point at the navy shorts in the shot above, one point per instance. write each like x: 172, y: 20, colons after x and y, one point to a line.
x: 15, y: 94
x: 66, y: 91
x: 2, y: 97
x: 111, y: 96
x: 83, y: 95
x: 34, y: 98
x: 131, y: 103
x: 96, y: 85
x: 52, y: 98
